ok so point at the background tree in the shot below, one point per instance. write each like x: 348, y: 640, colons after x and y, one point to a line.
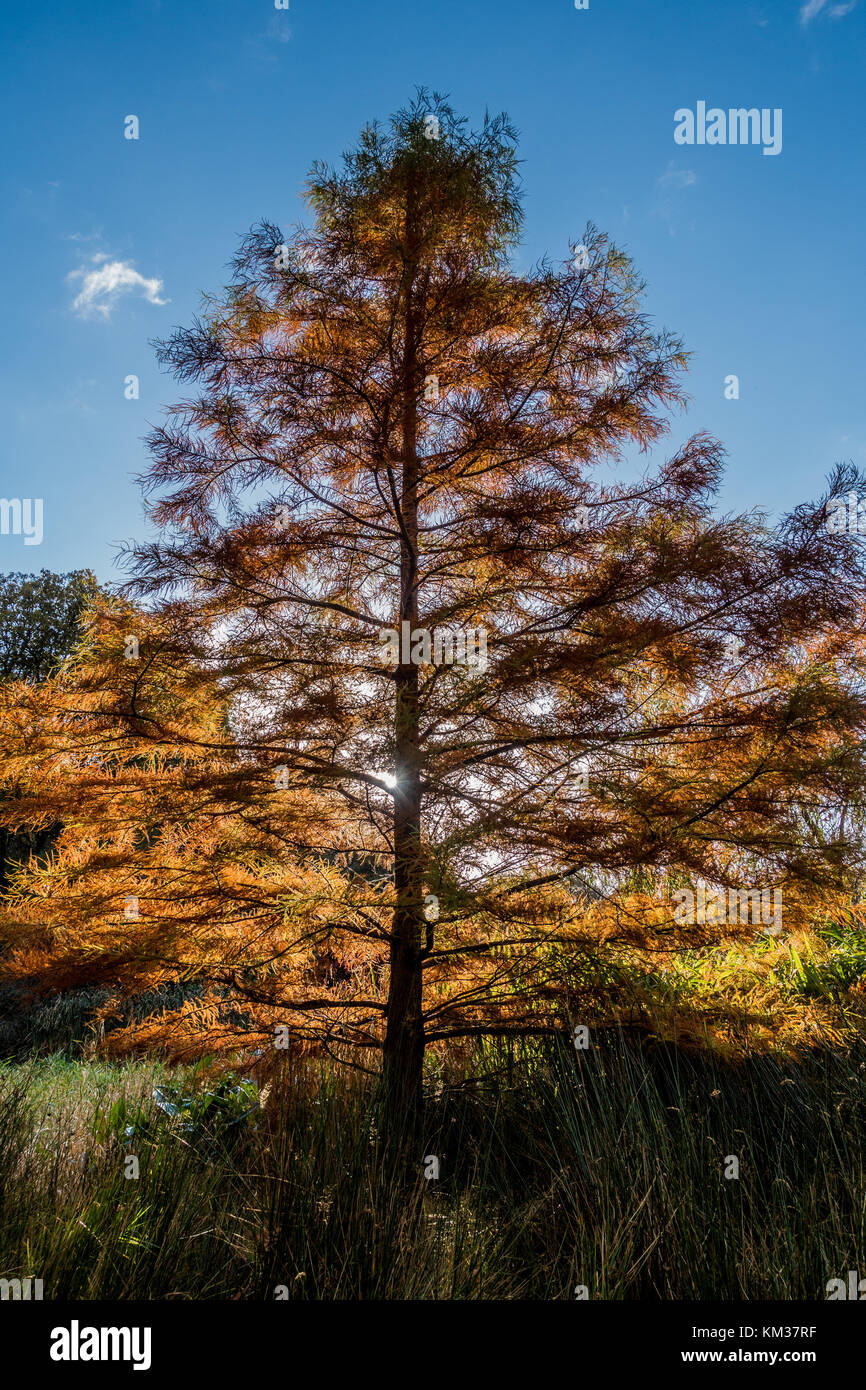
x: 396, y: 430
x: 40, y: 623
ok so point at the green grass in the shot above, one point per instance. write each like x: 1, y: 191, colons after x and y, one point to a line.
x: 557, y: 1169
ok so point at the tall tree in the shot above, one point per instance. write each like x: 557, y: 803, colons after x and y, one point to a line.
x: 451, y: 648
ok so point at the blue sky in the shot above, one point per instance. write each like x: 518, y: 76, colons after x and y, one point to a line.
x: 756, y: 261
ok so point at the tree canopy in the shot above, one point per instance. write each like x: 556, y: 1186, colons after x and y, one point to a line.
x: 40, y: 618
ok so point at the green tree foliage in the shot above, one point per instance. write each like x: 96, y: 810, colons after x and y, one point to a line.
x: 40, y: 623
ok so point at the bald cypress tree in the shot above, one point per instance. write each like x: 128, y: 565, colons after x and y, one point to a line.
x: 456, y: 648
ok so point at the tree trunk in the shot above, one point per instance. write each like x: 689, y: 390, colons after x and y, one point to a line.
x: 403, y: 1060
x: 404, y: 1036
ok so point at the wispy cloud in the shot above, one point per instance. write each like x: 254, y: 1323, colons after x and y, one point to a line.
x: 667, y: 186
x: 278, y: 28
x: 104, y: 284
x: 264, y: 45
x: 676, y: 178
x: 814, y: 7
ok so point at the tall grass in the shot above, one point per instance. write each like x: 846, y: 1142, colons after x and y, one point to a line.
x: 557, y: 1169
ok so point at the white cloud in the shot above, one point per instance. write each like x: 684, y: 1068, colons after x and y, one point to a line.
x: 262, y: 45
x: 668, y: 185
x: 814, y: 7
x: 676, y: 178
x: 278, y: 29
x: 102, y: 286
